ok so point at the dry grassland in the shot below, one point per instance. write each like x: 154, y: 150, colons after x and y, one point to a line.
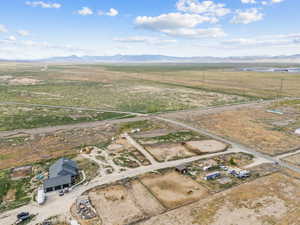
x: 275, y: 201
x: 293, y: 159
x: 29, y: 149
x: 81, y: 85
x: 253, y: 126
x: 256, y: 84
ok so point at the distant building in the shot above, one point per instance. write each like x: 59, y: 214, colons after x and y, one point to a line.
x: 62, y: 174
x: 182, y: 169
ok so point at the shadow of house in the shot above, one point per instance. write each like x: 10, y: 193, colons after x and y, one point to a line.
x: 62, y: 174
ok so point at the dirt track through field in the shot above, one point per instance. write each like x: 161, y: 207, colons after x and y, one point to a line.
x: 6, y: 134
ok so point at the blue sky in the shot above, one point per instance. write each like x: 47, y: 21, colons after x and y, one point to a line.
x: 44, y: 28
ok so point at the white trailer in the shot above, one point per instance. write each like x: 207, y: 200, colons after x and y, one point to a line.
x: 41, y: 197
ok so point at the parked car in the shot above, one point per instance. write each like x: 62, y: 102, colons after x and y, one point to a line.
x: 61, y: 192
x: 23, y: 216
x: 225, y: 168
x: 66, y: 190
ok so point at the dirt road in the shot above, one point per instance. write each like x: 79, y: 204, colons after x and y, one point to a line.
x: 5, y: 134
x: 69, y: 107
x: 140, y: 148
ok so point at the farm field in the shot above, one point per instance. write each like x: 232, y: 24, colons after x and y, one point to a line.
x: 274, y: 201
x: 256, y: 126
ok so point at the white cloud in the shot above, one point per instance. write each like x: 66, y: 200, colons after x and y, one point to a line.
x: 208, y: 8
x: 112, y: 12
x: 276, y: 1
x: 196, y: 33
x: 43, y: 4
x: 248, y: 1
x: 3, y: 29
x: 11, y: 38
x: 270, y: 2
x: 85, y: 11
x: 181, y: 25
x: 23, y: 32
x: 147, y: 40
x: 172, y: 21
x: 247, y: 16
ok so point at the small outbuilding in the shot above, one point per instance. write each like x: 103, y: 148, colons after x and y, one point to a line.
x: 182, y: 169
x: 212, y: 176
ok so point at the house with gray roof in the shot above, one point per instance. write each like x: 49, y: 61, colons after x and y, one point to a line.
x: 62, y: 174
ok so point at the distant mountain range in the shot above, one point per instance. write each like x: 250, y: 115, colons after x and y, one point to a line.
x: 166, y: 59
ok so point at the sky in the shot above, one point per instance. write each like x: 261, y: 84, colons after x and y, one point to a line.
x: 36, y: 29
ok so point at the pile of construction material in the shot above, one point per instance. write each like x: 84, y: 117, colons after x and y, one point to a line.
x: 84, y: 208
x: 86, y: 150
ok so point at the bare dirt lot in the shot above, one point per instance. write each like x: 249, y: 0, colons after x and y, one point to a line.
x: 276, y: 200
x: 253, y: 126
x: 124, y: 204
x: 167, y: 152
x: 177, y: 144
x: 206, y: 146
x: 172, y: 151
x: 172, y: 189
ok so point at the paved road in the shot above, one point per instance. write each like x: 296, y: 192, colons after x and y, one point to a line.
x: 60, y: 205
x: 240, y: 146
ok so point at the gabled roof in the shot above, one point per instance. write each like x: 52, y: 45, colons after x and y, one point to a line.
x: 57, y: 181
x: 181, y: 167
x: 63, y: 167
